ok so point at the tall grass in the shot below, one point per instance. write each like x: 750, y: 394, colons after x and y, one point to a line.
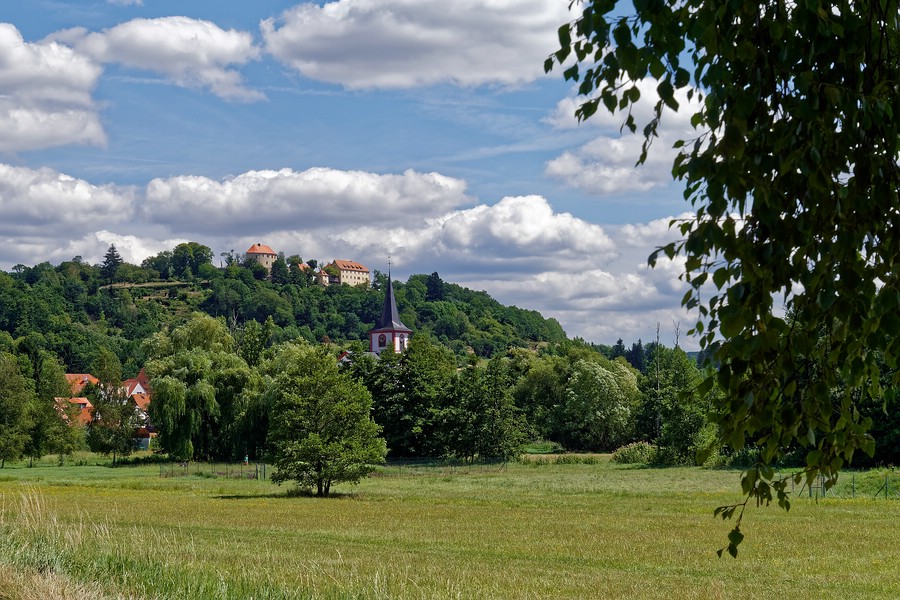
x: 529, y: 531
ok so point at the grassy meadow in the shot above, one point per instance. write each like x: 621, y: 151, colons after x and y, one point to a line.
x: 529, y: 530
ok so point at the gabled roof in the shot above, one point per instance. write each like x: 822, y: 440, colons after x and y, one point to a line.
x: 390, y: 316
x: 77, y: 381
x: 349, y: 265
x: 137, y: 385
x: 133, y: 386
x: 261, y: 249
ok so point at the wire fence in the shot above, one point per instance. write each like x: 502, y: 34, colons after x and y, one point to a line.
x: 876, y: 484
x: 392, y: 468
x: 239, y: 470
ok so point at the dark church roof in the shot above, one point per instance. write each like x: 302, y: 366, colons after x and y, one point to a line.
x: 390, y: 316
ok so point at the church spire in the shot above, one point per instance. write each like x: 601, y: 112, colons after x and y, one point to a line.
x: 390, y: 330
x: 390, y: 316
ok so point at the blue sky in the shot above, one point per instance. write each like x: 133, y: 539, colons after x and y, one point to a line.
x: 353, y: 129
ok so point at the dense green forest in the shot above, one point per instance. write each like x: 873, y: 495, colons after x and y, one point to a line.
x: 478, y: 380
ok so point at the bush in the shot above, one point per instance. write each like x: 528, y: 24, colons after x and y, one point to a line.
x: 542, y: 447
x: 144, y: 459
x: 635, y: 453
x: 728, y: 458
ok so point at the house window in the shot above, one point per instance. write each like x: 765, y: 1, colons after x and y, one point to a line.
x: 382, y: 341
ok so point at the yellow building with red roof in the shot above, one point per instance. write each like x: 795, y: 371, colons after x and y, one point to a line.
x: 349, y: 272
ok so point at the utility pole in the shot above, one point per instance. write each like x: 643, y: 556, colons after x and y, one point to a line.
x: 658, y: 399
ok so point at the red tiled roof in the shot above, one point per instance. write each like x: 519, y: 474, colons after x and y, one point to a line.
x: 142, y: 401
x: 143, y: 379
x: 349, y: 265
x: 261, y: 249
x: 77, y: 381
x: 83, y: 416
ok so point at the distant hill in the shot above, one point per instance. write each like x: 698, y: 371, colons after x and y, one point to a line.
x: 71, y: 311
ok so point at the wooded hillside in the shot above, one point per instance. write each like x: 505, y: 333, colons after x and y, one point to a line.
x: 74, y: 309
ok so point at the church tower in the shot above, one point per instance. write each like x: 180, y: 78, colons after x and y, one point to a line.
x: 389, y: 331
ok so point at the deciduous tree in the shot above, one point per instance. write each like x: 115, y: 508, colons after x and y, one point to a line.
x: 114, y: 420
x: 322, y: 431
x: 15, y: 396
x: 794, y: 179
x: 601, y: 398
x: 198, y: 387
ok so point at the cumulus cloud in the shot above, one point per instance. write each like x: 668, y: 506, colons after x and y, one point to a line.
x: 600, y: 299
x: 318, y: 198
x: 45, y: 95
x: 189, y: 52
x: 92, y: 247
x: 522, y: 229
x: 45, y: 213
x: 606, y: 165
x: 45, y: 202
x: 407, y: 43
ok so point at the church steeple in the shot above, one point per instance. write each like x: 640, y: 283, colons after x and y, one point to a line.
x: 390, y: 330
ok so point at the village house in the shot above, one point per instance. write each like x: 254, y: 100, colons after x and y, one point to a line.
x: 135, y: 389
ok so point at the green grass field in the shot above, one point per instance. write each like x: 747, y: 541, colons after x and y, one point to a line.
x: 538, y: 530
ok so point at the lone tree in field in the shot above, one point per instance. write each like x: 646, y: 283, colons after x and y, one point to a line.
x: 794, y: 179
x: 321, y: 430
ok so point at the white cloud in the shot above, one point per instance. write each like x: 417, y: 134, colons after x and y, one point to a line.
x: 523, y: 229
x: 607, y: 164
x: 43, y: 213
x: 657, y: 232
x: 45, y: 95
x: 92, y: 247
x: 47, y: 203
x: 126, y: 2
x: 408, y: 43
x: 134, y: 249
x: 315, y: 199
x: 189, y: 52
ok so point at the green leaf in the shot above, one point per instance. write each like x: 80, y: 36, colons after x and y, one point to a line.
x: 565, y: 36
x: 667, y: 94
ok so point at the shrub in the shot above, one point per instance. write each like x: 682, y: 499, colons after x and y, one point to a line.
x: 635, y: 453
x: 728, y: 458
x: 542, y: 447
